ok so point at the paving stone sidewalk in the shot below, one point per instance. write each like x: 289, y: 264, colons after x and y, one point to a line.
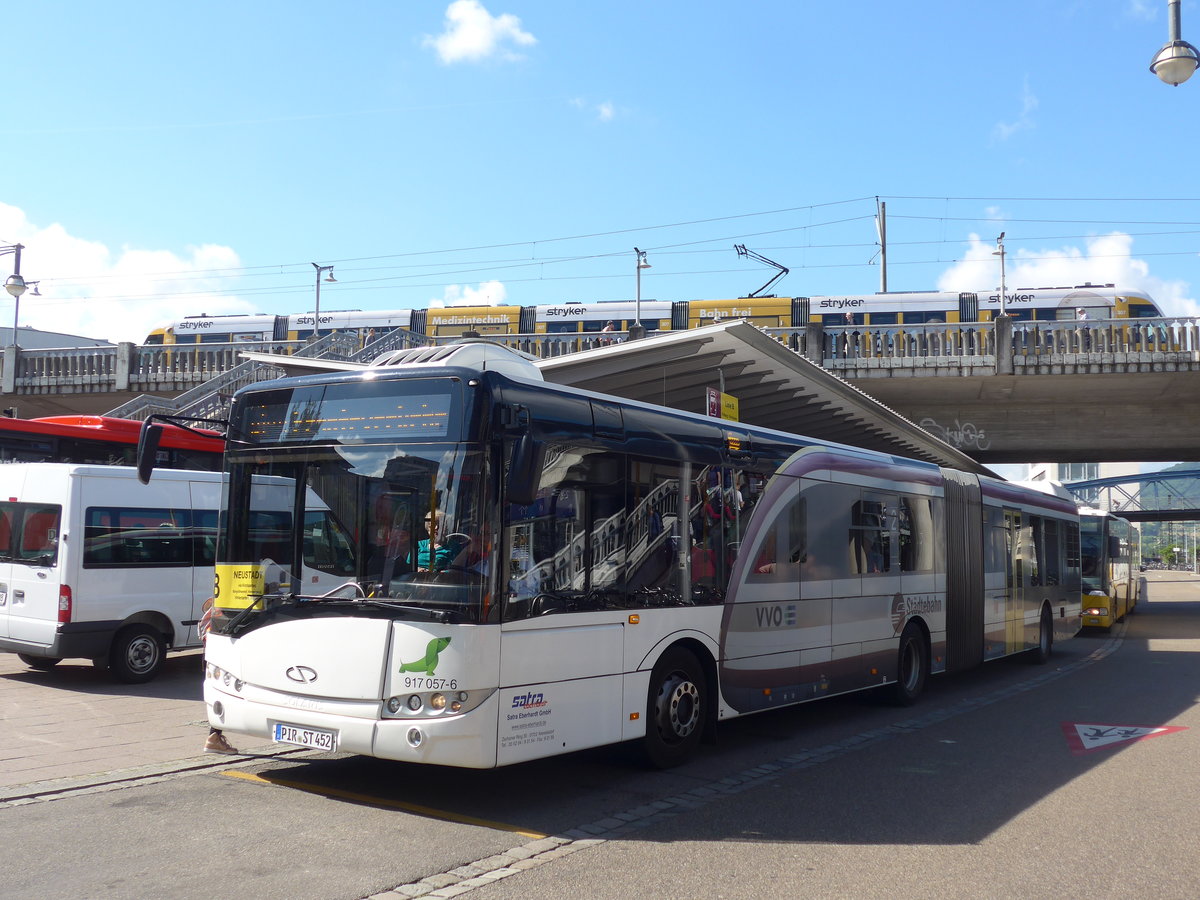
x: 75, y: 720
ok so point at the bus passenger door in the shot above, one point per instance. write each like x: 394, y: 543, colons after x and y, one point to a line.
x: 562, y: 645
x: 1021, y: 554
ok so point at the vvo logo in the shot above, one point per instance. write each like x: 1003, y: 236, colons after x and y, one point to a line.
x: 776, y: 616
x: 528, y: 701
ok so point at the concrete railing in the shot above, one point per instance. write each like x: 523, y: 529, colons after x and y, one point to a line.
x: 210, y: 373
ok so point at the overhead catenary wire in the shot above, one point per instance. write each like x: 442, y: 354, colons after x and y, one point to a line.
x: 420, y: 269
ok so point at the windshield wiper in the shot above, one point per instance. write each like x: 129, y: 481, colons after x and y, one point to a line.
x: 243, y: 617
x: 434, y: 615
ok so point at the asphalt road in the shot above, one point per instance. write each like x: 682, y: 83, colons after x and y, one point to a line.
x: 998, y: 783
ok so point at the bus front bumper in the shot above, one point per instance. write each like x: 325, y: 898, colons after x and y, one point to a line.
x: 467, y: 740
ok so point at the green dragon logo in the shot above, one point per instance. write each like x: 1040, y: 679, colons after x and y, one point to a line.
x: 427, y: 663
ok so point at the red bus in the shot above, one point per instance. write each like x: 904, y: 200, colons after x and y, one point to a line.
x: 102, y: 440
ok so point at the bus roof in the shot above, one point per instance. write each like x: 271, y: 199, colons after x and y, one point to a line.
x: 108, y: 428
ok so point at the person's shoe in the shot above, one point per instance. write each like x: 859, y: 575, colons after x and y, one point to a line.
x: 217, y: 743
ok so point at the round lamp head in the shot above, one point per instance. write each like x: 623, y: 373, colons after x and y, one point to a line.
x: 1175, y: 62
x: 15, y: 285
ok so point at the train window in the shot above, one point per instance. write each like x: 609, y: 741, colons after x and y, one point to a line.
x: 931, y: 316
x: 884, y: 318
x: 832, y: 319
x: 565, y: 327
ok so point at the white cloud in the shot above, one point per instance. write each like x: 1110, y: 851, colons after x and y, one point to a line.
x: 88, y: 289
x: 605, y: 112
x: 488, y: 293
x: 1024, y: 122
x: 1143, y: 9
x: 1105, y: 259
x: 472, y: 34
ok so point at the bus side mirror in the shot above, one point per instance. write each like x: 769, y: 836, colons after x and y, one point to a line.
x: 147, y: 449
x: 525, y: 473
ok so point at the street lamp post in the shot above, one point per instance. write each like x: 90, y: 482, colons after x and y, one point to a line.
x: 637, y: 330
x: 317, y: 314
x: 1177, y: 59
x: 999, y: 251
x: 15, y: 284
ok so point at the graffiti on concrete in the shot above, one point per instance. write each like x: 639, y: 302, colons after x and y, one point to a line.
x: 963, y: 436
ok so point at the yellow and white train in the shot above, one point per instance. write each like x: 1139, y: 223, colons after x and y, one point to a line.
x: 893, y: 308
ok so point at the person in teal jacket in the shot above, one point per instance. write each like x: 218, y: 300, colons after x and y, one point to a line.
x: 437, y: 552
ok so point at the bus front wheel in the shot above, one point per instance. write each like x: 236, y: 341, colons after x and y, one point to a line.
x: 675, y: 708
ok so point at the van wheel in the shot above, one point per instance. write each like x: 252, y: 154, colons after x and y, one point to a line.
x: 912, y: 668
x: 675, y: 708
x: 136, y: 655
x: 41, y: 663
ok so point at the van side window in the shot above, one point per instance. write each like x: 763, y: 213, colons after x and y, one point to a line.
x: 204, y: 536
x: 131, y: 537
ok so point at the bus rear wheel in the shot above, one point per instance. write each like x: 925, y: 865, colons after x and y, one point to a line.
x: 136, y: 655
x: 912, y: 667
x: 1045, y: 646
x: 675, y: 708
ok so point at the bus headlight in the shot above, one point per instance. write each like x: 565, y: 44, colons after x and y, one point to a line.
x: 224, y: 679
x: 433, y: 705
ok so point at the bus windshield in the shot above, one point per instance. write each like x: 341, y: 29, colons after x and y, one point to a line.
x: 1091, y: 548
x: 396, y: 529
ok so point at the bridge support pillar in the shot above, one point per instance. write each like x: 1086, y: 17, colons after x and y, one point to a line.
x: 12, y: 356
x: 814, y: 342
x: 1004, y: 345
x: 123, y: 366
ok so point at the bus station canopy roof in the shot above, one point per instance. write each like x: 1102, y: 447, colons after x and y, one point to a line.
x: 775, y: 387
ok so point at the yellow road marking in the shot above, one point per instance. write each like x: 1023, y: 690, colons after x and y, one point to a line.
x: 380, y: 801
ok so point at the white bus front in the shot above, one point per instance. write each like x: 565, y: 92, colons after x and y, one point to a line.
x: 396, y: 660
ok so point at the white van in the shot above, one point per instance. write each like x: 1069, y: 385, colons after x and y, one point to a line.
x: 95, y: 564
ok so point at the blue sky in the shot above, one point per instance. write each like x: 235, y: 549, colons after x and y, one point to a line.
x: 168, y: 159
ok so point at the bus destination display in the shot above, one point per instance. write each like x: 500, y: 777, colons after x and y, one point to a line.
x: 308, y: 418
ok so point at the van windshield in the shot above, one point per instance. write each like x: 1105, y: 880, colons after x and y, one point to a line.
x: 387, y: 530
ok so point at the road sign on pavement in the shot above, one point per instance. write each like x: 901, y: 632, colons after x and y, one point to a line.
x: 1086, y: 737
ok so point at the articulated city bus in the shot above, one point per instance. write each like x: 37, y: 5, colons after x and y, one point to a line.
x: 536, y: 569
x: 1110, y: 551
